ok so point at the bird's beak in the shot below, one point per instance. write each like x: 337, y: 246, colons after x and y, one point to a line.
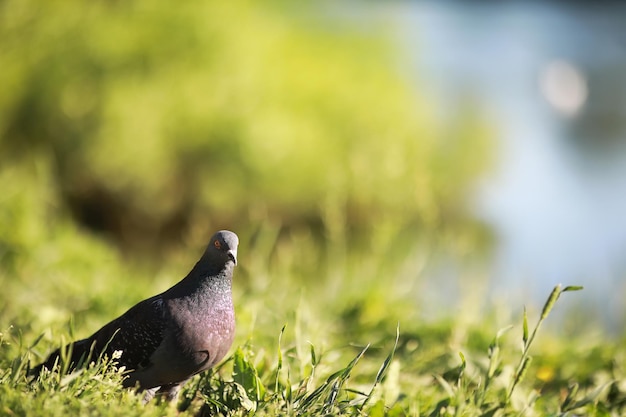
x: 232, y: 254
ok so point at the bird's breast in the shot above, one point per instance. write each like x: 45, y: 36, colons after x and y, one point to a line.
x: 205, y: 332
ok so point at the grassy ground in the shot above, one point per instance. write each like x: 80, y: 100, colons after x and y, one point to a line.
x: 321, y: 331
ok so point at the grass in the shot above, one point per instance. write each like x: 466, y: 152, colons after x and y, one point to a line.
x: 323, y: 347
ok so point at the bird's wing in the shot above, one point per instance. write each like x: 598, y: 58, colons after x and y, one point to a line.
x: 137, y: 333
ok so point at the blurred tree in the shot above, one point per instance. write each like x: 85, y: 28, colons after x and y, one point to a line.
x: 224, y: 114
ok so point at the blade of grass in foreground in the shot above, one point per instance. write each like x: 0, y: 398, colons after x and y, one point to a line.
x: 331, y: 387
x: 383, y: 369
x: 527, y: 340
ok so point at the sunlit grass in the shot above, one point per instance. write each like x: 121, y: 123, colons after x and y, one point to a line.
x: 326, y: 325
x: 303, y: 349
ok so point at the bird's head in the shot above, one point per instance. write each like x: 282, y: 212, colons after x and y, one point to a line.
x: 223, y: 245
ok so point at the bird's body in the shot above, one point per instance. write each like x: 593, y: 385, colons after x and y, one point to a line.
x: 168, y: 338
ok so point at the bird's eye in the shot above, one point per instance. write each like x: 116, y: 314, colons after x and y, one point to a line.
x: 217, y: 244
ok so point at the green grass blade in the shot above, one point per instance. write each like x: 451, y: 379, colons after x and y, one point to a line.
x: 525, y: 328
x: 547, y: 307
x: 382, y: 371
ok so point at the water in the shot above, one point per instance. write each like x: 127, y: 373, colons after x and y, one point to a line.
x: 552, y: 78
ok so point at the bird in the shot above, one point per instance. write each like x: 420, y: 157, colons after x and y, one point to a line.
x: 170, y: 337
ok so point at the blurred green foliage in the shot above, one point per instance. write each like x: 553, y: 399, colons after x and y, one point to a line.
x: 156, y: 121
x: 154, y: 125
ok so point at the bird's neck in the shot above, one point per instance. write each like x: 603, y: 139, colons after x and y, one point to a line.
x: 204, y: 279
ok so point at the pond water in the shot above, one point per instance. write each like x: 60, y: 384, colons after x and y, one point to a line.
x: 552, y: 80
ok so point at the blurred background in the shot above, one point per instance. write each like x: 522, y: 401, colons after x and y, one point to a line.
x: 449, y: 148
x: 551, y: 79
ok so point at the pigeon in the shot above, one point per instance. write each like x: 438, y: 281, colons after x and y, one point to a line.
x: 167, y: 339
